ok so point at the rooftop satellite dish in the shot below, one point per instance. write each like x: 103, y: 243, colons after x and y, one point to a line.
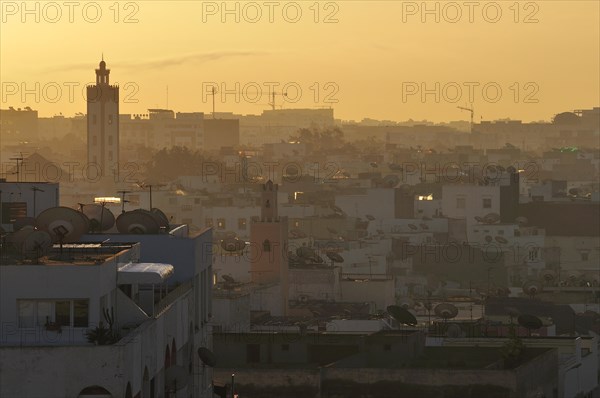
x: 177, y: 377
x: 63, y: 224
x: 162, y: 218
x: 402, y: 315
x: 488, y: 239
x: 547, y: 275
x: 17, y: 238
x: 391, y: 180
x: 478, y: 219
x: 37, y: 244
x: 446, y: 311
x: 207, y: 357
x: 491, y: 218
x: 334, y: 257
x: 101, y: 219
x: 138, y: 222
x: 369, y: 217
x: 501, y: 239
x: 233, y: 244
x: 530, y: 322
x: 22, y: 222
x: 522, y: 220
x: 531, y: 288
x: 305, y: 252
x: 424, y: 226
x: 228, y: 278
x: 454, y: 331
x: 373, y: 164
x: 413, y: 227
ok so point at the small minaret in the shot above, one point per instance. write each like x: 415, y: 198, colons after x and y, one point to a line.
x: 268, y: 211
x: 268, y: 251
x: 103, y: 123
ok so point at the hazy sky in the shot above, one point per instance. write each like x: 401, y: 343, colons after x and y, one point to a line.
x: 376, y: 57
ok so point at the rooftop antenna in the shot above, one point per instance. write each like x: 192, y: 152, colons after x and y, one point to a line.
x: 143, y: 186
x: 167, y: 97
x: 17, y: 159
x: 123, y: 201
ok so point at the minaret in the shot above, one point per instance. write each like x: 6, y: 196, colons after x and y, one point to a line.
x: 268, y: 251
x: 103, y: 124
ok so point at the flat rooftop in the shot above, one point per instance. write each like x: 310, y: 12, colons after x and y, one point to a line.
x: 79, y: 253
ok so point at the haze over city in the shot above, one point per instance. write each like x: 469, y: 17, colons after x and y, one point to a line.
x: 300, y: 199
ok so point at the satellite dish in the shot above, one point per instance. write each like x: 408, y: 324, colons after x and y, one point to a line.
x: 369, y: 217
x: 530, y: 322
x: 413, y: 227
x: 22, y: 222
x: 138, y: 222
x: 37, y: 244
x: 488, y: 239
x: 478, y: 219
x: 177, y: 377
x: 531, y: 288
x: 501, y: 239
x: 373, y: 164
x: 101, y: 219
x: 491, y: 218
x: 547, y: 275
x: 522, y: 220
x: 228, y: 278
x: 402, y: 315
x: 207, y: 357
x: 305, y: 252
x: 17, y: 238
x: 162, y: 218
x: 454, y: 331
x: 446, y: 311
x: 335, y: 257
x: 424, y: 226
x: 391, y: 180
x: 233, y: 244
x: 63, y: 224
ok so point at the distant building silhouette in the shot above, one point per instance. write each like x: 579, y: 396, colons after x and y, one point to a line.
x: 103, y: 122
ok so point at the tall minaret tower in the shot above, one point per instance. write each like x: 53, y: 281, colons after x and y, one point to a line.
x: 268, y: 251
x: 103, y: 123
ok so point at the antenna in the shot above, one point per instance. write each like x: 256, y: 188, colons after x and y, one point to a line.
x: 144, y: 185
x: 17, y: 159
x: 123, y: 201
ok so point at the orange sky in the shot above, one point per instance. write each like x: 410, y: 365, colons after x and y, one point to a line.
x: 373, y: 54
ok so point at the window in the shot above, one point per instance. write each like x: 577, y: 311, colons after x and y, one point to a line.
x: 242, y: 223
x: 38, y: 313
x: 268, y: 204
x: 266, y: 245
x: 585, y: 256
x: 487, y: 203
x: 208, y: 222
x: 220, y: 223
x: 461, y: 203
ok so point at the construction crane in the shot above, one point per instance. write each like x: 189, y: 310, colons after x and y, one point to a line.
x: 469, y: 110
